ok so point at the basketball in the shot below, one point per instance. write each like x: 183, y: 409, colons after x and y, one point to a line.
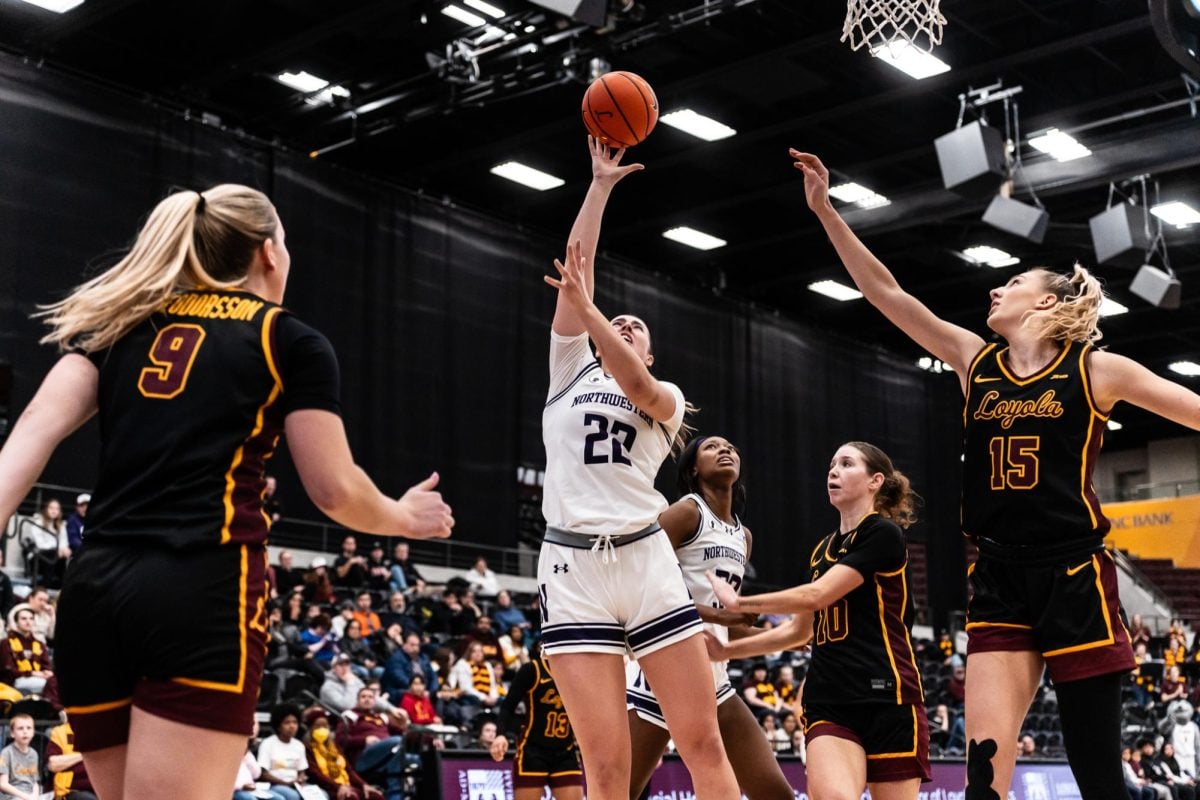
x: 620, y: 109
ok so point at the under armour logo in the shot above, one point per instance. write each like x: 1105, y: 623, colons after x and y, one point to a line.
x: 560, y: 568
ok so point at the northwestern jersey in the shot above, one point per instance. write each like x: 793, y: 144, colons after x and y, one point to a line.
x: 862, y: 652
x: 546, y: 723
x: 715, y: 546
x: 192, y: 403
x: 602, y: 451
x: 1030, y: 445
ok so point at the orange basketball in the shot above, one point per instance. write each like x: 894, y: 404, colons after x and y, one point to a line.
x: 620, y: 109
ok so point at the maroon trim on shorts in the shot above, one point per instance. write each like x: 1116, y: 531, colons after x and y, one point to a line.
x: 553, y: 781
x: 983, y: 637
x: 202, y: 708
x: 903, y: 768
x: 96, y: 730
x: 1106, y: 659
x: 824, y: 728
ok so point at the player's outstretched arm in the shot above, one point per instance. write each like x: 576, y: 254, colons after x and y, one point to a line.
x: 794, y: 633
x: 829, y: 588
x: 954, y: 345
x: 620, y: 360
x: 340, y: 488
x: 1116, y: 378
x: 606, y: 172
x: 65, y: 400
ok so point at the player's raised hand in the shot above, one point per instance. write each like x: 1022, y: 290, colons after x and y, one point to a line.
x: 816, y: 179
x: 726, y: 596
x: 499, y: 748
x: 606, y: 164
x: 427, y: 515
x: 572, y: 280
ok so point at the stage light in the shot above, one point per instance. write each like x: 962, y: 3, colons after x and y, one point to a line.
x: 1111, y: 308
x: 1059, y: 146
x: 487, y: 8
x: 858, y: 194
x: 1113, y: 425
x: 912, y: 61
x: 991, y: 256
x: 57, y: 6
x: 697, y: 125
x: 463, y: 16
x: 1181, y: 215
x: 1189, y: 369
x: 302, y: 81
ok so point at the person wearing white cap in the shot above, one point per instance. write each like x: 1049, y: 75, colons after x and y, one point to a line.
x: 75, y: 524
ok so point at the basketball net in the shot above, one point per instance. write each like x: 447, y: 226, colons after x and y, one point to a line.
x: 880, y: 23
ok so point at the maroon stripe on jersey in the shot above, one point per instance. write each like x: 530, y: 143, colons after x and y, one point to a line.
x: 1091, y: 453
x: 250, y: 523
x: 892, y: 591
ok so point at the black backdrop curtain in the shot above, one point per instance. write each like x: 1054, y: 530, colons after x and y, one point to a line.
x: 440, y: 320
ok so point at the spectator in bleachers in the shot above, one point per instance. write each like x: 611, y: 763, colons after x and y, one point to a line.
x: 798, y: 745
x: 19, y: 768
x: 327, y: 765
x: 379, y: 572
x: 946, y: 646
x: 245, y: 784
x: 286, y: 650
x: 1143, y: 681
x: 759, y: 692
x: 476, y: 683
x: 368, y: 620
x: 369, y: 730
x: 444, y: 613
x: 1139, y: 766
x: 487, y: 735
x: 75, y: 523
x: 786, y: 688
x: 1183, y: 786
x: 318, y: 588
x: 400, y: 668
x: 355, y: 645
x: 939, y: 726
x: 341, y: 686
x: 342, y: 619
x: 507, y: 615
x: 270, y: 500
x: 417, y: 703
x: 294, y: 610
x: 319, y: 639
x: 44, y: 614
x: 487, y: 639
x: 1027, y: 747
x: 464, y: 622
x: 1175, y: 652
x: 71, y: 780
x: 350, y: 568
x: 1139, y: 787
x: 7, y: 598
x: 776, y: 738
x: 1174, y: 686
x: 46, y: 543
x: 284, y: 576
x: 1138, y: 632
x: 24, y: 659
x: 1153, y: 771
x: 481, y: 579
x: 281, y: 756
x: 396, y: 613
x: 788, y: 724
x: 513, y: 650
x: 405, y: 577
x: 956, y: 687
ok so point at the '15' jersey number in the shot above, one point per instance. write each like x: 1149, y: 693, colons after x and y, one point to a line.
x: 618, y: 436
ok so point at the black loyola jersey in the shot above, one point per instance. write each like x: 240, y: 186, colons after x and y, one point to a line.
x: 1030, y: 445
x: 192, y: 403
x: 862, y: 652
x: 546, y: 723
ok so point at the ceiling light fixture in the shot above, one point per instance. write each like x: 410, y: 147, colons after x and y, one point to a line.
x: 859, y: 195
x: 1188, y: 369
x: 487, y: 8
x: 991, y: 256
x: 527, y: 176
x: 1176, y: 213
x: 1113, y: 425
x: 57, y: 6
x: 302, y: 81
x: 838, y: 291
x: 697, y: 125
x: 463, y: 16
x: 1111, y: 308
x: 1059, y: 146
x: 912, y: 61
x: 693, y: 238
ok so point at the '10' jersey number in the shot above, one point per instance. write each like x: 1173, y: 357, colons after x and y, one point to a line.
x: 610, y: 442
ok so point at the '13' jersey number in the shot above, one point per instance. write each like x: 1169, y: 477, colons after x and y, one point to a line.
x: 611, y: 441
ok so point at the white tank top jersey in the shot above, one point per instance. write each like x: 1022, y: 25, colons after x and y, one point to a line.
x: 602, y: 452
x: 715, y: 546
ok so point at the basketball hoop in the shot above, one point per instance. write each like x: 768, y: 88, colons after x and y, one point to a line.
x: 879, y: 24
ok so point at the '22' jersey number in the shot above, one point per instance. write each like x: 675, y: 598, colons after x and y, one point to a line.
x: 733, y: 580
x: 610, y: 442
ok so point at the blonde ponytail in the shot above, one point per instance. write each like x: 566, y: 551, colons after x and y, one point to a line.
x: 190, y: 241
x: 1076, y: 315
